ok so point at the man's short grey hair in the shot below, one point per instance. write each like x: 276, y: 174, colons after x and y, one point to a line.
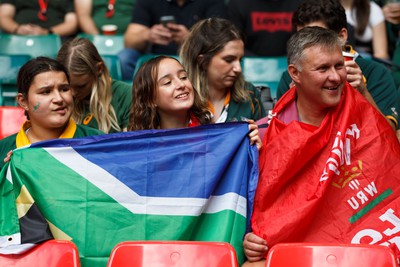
x: 309, y: 37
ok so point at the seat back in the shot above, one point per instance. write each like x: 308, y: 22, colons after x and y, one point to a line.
x: 172, y: 253
x: 264, y: 71
x: 113, y: 65
x: 33, y: 45
x: 106, y: 44
x: 53, y: 253
x: 141, y: 60
x: 10, y: 65
x: 324, y: 255
x: 11, y: 120
x: 146, y: 57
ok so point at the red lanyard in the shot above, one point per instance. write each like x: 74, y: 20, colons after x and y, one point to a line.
x: 43, y: 9
x: 110, y: 8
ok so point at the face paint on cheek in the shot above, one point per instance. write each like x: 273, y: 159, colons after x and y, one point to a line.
x: 36, y: 107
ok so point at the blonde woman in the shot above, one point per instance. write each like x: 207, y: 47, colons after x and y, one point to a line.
x: 100, y: 102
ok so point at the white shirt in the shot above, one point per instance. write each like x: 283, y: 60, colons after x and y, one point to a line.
x: 375, y: 17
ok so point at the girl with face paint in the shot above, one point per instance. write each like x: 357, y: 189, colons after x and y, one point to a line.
x: 45, y: 94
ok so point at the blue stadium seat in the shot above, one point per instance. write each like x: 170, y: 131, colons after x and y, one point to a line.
x: 37, y: 45
x: 9, y: 67
x: 264, y: 71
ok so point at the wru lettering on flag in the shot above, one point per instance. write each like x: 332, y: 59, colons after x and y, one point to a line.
x: 336, y: 183
x: 187, y: 184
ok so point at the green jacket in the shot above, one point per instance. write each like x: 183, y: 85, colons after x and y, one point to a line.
x: 252, y: 109
x: 121, y: 102
x: 9, y: 143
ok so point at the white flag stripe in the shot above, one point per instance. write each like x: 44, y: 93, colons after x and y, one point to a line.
x: 11, y: 244
x: 9, y: 175
x: 16, y: 249
x: 10, y: 240
x: 141, y: 204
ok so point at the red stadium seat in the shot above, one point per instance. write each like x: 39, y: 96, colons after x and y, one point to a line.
x: 173, y: 253
x: 328, y: 255
x: 52, y: 253
x: 11, y: 120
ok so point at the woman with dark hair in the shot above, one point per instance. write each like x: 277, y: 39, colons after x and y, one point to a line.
x: 45, y: 95
x: 212, y: 54
x: 163, y: 98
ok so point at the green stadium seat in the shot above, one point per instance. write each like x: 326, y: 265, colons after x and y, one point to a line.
x: 264, y: 71
x: 142, y: 59
x: 10, y: 65
x: 114, y: 66
x: 145, y: 57
x: 106, y: 44
x: 37, y: 45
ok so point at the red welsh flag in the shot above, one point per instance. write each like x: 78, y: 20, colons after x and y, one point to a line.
x: 337, y: 183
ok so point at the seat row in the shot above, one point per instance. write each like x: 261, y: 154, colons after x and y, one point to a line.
x: 18, y: 49
x: 61, y: 253
x: 57, y: 253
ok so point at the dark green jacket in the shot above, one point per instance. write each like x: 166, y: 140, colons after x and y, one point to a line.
x: 252, y: 109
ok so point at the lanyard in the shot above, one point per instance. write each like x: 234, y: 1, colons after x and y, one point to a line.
x: 110, y: 8
x: 43, y: 9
